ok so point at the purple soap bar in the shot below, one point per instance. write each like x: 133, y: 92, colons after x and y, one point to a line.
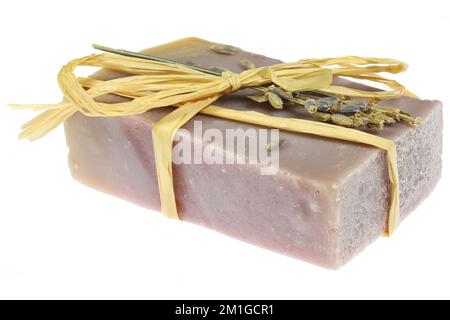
x: 327, y: 202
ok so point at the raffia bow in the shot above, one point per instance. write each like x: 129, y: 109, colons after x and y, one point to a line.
x: 154, y: 84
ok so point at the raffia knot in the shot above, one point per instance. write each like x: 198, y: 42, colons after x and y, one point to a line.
x: 234, y: 79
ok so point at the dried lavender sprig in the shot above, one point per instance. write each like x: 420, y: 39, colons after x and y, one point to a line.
x: 338, y: 110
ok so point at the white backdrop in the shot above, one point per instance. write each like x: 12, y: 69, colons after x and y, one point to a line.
x: 59, y: 239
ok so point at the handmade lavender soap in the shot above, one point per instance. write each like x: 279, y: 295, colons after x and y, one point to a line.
x: 328, y: 200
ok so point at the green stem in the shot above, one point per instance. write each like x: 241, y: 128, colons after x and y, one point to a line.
x: 122, y: 52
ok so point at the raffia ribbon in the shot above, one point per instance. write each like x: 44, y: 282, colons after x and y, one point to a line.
x: 154, y: 84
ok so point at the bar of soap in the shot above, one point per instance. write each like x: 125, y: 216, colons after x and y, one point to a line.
x: 327, y: 202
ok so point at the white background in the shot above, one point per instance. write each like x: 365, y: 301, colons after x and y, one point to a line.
x: 59, y: 239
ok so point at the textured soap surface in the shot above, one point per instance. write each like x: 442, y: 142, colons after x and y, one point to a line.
x: 327, y: 202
